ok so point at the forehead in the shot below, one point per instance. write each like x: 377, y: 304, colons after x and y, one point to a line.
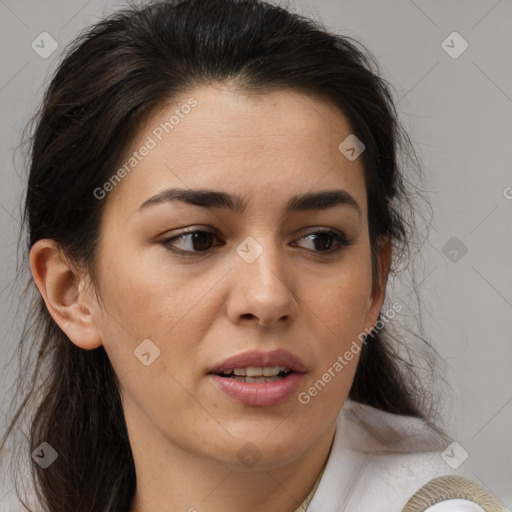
x: 221, y: 137
x: 226, y: 117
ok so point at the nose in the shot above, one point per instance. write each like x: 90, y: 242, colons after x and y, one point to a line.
x: 262, y: 290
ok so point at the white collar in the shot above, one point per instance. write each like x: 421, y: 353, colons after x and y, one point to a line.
x: 377, y: 461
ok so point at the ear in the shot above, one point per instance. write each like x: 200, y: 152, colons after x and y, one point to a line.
x: 377, y: 296
x: 62, y: 291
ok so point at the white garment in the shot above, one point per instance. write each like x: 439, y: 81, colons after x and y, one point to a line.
x: 378, y: 460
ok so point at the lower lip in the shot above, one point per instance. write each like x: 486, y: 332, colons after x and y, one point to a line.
x: 262, y: 394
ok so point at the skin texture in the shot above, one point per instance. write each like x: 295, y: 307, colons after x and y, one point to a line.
x: 185, y: 434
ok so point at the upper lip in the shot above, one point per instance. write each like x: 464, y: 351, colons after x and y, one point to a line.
x: 258, y: 358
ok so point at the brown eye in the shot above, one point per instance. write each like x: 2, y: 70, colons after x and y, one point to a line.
x: 326, y: 241
x: 190, y: 241
x: 201, y: 241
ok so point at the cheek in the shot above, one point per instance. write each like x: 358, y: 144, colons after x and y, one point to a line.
x: 144, y: 300
x: 137, y: 293
x: 343, y: 299
x: 142, y: 304
x: 338, y: 307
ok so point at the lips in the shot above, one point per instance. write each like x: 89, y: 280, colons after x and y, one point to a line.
x: 258, y: 358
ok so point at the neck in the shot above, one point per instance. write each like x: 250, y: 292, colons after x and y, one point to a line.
x: 171, y: 478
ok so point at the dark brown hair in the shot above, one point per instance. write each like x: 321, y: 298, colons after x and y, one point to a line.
x: 112, y: 78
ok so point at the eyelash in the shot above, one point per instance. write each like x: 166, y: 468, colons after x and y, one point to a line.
x: 340, y: 238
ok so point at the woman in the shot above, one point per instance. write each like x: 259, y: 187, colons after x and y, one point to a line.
x: 198, y: 347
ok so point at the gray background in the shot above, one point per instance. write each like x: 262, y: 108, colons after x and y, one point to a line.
x: 458, y: 113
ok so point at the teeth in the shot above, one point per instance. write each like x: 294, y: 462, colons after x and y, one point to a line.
x: 257, y: 379
x: 269, y: 371
x: 253, y: 371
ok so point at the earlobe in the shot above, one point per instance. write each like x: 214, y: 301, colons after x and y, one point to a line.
x: 59, y: 285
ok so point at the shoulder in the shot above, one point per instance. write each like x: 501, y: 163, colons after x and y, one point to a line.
x: 404, y: 453
x: 378, y: 460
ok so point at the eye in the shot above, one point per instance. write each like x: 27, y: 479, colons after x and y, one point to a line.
x: 200, y: 241
x: 323, y: 241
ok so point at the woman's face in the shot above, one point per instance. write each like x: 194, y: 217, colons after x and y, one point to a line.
x: 254, y: 278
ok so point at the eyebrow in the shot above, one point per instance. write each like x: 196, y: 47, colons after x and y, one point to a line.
x: 218, y: 199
